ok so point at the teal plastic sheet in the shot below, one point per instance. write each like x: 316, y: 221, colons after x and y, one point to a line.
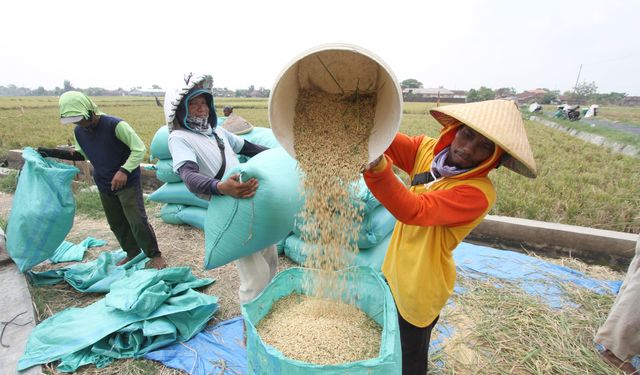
x: 218, y: 349
x: 296, y: 250
x: 235, y: 228
x: 372, y: 296
x: 177, y: 192
x: 70, y: 252
x: 42, y: 210
x: 164, y: 171
x: 128, y: 323
x: 96, y: 276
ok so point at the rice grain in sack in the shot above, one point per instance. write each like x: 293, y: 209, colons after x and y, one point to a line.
x: 235, y: 228
x: 42, y: 210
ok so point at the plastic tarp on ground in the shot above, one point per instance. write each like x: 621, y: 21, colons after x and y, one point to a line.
x: 144, y: 311
x: 235, y: 228
x: 91, y: 277
x: 217, y: 349
x: 535, y: 276
x: 70, y: 252
x: 42, y: 210
x: 372, y: 296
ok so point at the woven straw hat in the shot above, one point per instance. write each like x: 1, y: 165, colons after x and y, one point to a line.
x: 500, y: 121
x: 237, y: 125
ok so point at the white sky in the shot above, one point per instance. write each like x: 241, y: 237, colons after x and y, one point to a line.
x: 452, y: 43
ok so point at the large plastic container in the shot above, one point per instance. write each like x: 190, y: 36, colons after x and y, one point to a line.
x: 337, y: 69
x: 372, y: 296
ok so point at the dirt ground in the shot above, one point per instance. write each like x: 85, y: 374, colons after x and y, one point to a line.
x: 181, y: 245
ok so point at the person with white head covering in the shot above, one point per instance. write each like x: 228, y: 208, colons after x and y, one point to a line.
x: 449, y: 195
x: 201, y: 153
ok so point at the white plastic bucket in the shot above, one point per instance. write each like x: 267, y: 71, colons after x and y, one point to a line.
x: 351, y: 67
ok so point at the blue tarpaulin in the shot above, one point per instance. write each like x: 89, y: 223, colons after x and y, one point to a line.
x: 535, y: 276
x: 217, y: 349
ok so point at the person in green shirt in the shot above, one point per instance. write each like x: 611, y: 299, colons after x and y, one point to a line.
x: 115, y: 152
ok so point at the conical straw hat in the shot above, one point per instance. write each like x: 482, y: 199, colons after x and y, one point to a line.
x: 500, y: 121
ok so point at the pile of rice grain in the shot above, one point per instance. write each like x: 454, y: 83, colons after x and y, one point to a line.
x: 331, y: 134
x: 343, y: 334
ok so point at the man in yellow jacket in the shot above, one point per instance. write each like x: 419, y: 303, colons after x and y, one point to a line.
x: 449, y: 195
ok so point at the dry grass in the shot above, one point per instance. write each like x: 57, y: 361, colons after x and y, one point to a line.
x: 499, y: 329
x: 181, y: 246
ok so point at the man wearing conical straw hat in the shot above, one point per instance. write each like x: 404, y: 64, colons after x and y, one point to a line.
x: 449, y: 195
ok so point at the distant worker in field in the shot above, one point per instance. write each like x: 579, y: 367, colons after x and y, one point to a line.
x: 201, y: 153
x: 449, y: 195
x: 620, y: 333
x: 234, y: 123
x: 115, y: 152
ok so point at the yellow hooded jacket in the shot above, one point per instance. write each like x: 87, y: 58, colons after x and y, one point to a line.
x: 432, y: 220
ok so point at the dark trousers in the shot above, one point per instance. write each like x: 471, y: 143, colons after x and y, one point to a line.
x: 415, y: 346
x: 127, y: 219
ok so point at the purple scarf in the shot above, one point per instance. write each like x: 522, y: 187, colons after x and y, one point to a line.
x: 440, y: 169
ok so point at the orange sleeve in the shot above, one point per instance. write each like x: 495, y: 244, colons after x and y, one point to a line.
x: 403, y: 151
x: 459, y: 205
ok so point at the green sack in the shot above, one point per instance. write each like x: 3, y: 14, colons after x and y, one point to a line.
x: 169, y: 213
x: 376, y: 225
x: 42, y: 210
x: 177, y: 192
x: 372, y: 297
x: 235, y: 228
x: 164, y: 171
x: 261, y: 136
x: 296, y: 250
x: 181, y: 214
x: 160, y: 144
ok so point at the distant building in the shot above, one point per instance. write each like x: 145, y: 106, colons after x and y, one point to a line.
x: 433, y: 95
x: 631, y: 101
x: 146, y: 92
x: 531, y: 96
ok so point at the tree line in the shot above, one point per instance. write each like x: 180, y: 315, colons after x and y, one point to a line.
x: 583, y: 92
x: 13, y: 90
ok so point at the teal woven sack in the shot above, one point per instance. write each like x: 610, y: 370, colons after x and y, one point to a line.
x: 372, y: 297
x: 376, y: 225
x: 42, y: 210
x: 235, y: 228
x: 177, y: 192
x: 194, y: 216
x: 160, y: 144
x: 296, y: 250
x: 262, y: 137
x: 169, y: 213
x: 164, y: 171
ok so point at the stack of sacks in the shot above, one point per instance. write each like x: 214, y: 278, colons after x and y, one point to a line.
x: 373, y: 238
x: 259, y: 136
x: 182, y: 206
